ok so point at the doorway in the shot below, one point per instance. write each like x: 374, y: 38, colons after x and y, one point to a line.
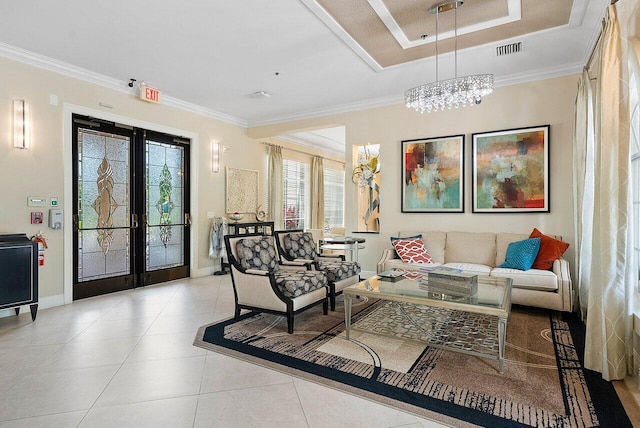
x: 131, y: 215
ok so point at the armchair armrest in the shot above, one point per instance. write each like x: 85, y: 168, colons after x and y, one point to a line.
x: 293, y: 265
x: 387, y: 254
x: 257, y: 272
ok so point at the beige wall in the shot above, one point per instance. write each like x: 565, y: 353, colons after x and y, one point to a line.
x: 40, y: 170
x: 539, y: 103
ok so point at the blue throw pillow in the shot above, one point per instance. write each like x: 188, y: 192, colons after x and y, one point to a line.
x: 521, y: 254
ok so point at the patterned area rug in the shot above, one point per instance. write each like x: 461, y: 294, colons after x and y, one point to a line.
x: 543, y: 385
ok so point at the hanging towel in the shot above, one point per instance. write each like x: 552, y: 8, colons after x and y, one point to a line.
x: 217, y: 250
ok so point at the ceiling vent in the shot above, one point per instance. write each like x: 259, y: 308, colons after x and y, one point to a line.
x: 509, y: 49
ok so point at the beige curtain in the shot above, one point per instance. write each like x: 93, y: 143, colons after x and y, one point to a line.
x: 608, y: 285
x: 583, y: 195
x: 317, y: 193
x: 275, y: 187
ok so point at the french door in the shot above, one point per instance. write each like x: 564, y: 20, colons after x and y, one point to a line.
x: 131, y: 216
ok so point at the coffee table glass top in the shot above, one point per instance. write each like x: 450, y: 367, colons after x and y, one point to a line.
x: 493, y: 295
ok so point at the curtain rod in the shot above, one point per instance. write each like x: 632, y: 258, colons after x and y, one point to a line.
x: 299, y: 151
x: 595, y: 46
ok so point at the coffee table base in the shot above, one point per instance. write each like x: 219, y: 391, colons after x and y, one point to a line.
x: 481, y: 335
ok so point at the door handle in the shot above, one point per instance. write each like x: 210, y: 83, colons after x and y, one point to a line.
x: 187, y: 219
x: 76, y: 222
x: 134, y: 221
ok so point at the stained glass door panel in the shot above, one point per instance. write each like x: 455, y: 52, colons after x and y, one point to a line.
x: 102, y: 217
x: 165, y: 206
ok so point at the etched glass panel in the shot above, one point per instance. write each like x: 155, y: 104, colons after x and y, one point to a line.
x: 103, y: 205
x: 164, y: 205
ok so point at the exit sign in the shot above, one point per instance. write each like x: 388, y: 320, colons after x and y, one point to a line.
x: 149, y: 94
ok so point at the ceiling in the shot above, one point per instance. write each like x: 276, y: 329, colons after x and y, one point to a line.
x: 312, y: 57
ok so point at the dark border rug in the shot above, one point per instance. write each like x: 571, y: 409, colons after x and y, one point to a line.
x: 544, y: 383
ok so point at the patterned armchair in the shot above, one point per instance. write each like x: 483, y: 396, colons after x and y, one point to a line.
x: 296, y: 246
x: 261, y: 283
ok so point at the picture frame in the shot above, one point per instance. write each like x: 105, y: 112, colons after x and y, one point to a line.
x: 433, y: 175
x: 510, y: 170
x: 241, y: 190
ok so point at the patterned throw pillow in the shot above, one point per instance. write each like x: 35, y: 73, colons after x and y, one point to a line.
x: 412, y: 250
x: 257, y: 253
x: 550, y: 250
x: 300, y: 245
x: 521, y: 254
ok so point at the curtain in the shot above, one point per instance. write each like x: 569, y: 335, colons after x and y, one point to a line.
x: 583, y: 191
x: 608, y: 273
x: 275, y: 186
x: 317, y: 193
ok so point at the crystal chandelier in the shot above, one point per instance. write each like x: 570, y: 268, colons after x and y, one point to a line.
x: 456, y: 92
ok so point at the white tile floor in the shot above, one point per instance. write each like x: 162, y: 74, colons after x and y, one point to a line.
x: 127, y: 359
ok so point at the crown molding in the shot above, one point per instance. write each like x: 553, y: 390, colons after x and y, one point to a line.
x: 44, y: 62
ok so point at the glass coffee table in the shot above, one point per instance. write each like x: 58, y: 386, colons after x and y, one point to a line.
x: 474, y: 323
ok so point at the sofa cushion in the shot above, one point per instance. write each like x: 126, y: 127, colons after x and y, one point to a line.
x: 532, y: 279
x: 521, y: 254
x: 411, y: 250
x: 550, y: 250
x: 434, y: 242
x: 300, y: 245
x: 296, y: 283
x: 470, y: 267
x: 470, y: 247
x: 257, y: 253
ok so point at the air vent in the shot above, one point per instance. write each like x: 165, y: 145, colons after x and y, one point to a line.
x: 509, y: 49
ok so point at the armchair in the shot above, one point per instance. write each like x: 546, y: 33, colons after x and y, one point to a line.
x: 296, y: 246
x: 261, y: 284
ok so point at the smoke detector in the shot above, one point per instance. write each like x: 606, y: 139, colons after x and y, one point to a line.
x: 261, y: 94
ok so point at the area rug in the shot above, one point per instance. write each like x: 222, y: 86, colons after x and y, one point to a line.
x: 544, y: 383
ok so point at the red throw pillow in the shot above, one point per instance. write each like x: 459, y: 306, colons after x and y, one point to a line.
x: 550, y: 249
x: 412, y: 250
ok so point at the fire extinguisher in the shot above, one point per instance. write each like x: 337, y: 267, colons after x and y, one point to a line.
x: 42, y: 245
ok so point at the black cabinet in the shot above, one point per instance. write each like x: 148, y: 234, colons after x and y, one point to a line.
x: 18, y: 273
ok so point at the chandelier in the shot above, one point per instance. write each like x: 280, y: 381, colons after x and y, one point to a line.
x: 456, y: 92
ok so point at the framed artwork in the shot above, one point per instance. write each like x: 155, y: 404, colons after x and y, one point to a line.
x: 433, y: 175
x: 511, y: 171
x: 242, y: 190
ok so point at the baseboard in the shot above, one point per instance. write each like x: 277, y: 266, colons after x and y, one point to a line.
x: 43, y: 303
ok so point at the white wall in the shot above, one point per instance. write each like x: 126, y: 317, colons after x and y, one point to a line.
x: 538, y: 103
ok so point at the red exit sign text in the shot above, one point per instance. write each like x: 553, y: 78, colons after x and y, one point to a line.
x: 150, y: 94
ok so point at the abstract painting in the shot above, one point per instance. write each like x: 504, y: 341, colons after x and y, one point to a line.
x: 433, y: 175
x: 511, y: 170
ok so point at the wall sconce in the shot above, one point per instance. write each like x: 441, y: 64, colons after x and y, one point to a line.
x: 21, y: 124
x: 215, y: 157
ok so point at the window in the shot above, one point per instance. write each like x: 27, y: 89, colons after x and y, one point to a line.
x: 333, y: 198
x: 295, y: 177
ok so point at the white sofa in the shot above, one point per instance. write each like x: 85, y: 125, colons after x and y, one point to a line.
x: 480, y: 253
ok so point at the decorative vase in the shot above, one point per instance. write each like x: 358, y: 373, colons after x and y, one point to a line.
x: 236, y: 216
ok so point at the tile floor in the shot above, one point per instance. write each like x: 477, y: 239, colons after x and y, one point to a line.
x: 127, y: 359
